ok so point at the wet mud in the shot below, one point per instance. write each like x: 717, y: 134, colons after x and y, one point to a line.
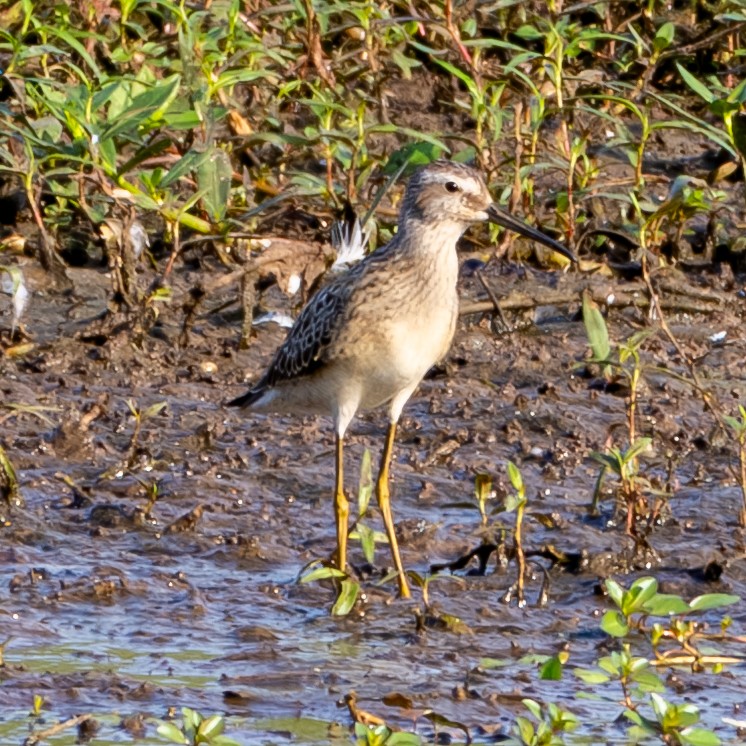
x: 156, y: 565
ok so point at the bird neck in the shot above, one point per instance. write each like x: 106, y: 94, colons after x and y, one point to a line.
x: 429, y: 239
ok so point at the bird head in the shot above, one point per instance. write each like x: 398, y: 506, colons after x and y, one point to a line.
x: 454, y: 192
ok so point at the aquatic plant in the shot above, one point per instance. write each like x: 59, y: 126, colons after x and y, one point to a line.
x: 196, y: 729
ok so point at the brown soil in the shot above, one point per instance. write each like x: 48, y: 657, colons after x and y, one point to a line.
x: 121, y: 610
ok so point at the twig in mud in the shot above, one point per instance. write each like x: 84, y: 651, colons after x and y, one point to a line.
x: 248, y: 299
x: 676, y: 658
x: 190, y: 307
x: 495, y: 301
x: 602, y: 294
x: 53, y: 730
x: 175, y: 251
x: 709, y: 398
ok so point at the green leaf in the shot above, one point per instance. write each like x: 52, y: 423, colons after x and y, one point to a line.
x: 660, y: 706
x: 638, y: 447
x: 610, y: 664
x: 513, y: 502
x: 171, y: 732
x: 609, y: 461
x: 323, y: 573
x: 664, y: 604
x: 414, y: 154
x: 596, y: 329
x: 72, y: 42
x: 551, y: 670
x: 148, y: 105
x: 642, y: 590
x: 404, y: 63
x: 698, y: 737
x: 190, y: 119
x: 108, y: 151
x: 489, y: 663
x: 529, y: 33
x: 692, y: 123
x: 589, y: 676
x: 613, y: 624
x: 346, y: 598
x: 738, y: 125
x: 697, y: 86
x: 515, y: 477
x: 713, y: 601
x: 211, y: 726
x: 525, y: 730
x: 367, y: 542
x: 191, y: 717
x: 649, y: 681
x: 615, y: 591
x: 664, y: 37
x: 242, y: 75
x: 214, y: 180
x: 722, y: 107
x: 533, y: 707
x: 189, y: 162
x: 154, y: 409
x: 734, y: 424
x: 466, y: 79
x: 365, y: 484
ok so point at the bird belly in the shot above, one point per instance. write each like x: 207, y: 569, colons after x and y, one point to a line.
x: 318, y: 393
x: 404, y: 352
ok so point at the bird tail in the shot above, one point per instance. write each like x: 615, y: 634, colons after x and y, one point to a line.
x: 247, y: 399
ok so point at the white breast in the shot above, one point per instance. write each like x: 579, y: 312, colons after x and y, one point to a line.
x: 412, y: 343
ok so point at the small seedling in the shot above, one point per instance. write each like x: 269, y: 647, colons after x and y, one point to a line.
x: 10, y: 492
x: 517, y: 502
x: 196, y: 729
x: 348, y: 588
x: 37, y: 705
x: 483, y: 492
x: 140, y: 416
x: 737, y: 426
x: 368, y: 537
x: 674, y: 724
x: 642, y: 598
x: 382, y: 735
x: 628, y: 670
x: 551, y: 722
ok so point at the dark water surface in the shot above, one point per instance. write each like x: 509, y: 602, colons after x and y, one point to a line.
x: 123, y: 615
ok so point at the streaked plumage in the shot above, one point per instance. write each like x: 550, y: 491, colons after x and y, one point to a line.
x: 368, y: 337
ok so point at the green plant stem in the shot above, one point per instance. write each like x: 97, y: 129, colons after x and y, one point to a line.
x: 519, y: 554
x: 742, y: 463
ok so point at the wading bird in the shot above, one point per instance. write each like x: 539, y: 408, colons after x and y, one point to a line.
x: 368, y: 338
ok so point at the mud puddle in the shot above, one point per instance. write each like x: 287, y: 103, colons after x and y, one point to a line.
x: 150, y: 573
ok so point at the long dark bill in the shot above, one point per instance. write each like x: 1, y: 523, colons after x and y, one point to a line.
x: 506, y: 220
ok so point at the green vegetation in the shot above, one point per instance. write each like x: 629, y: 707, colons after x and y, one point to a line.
x: 151, y: 135
x: 196, y: 729
x: 149, y: 114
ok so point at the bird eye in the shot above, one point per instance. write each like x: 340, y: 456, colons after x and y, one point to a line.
x: 452, y: 186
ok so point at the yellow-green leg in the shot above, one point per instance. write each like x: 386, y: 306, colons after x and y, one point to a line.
x: 384, y: 503
x: 341, y: 508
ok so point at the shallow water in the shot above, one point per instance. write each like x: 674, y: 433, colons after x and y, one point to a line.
x: 113, y: 614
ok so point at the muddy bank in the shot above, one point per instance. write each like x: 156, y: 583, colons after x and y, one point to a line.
x: 150, y: 572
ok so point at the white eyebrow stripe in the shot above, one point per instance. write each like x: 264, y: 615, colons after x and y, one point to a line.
x: 466, y: 183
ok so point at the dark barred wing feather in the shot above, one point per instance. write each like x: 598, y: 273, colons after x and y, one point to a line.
x: 302, y: 352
